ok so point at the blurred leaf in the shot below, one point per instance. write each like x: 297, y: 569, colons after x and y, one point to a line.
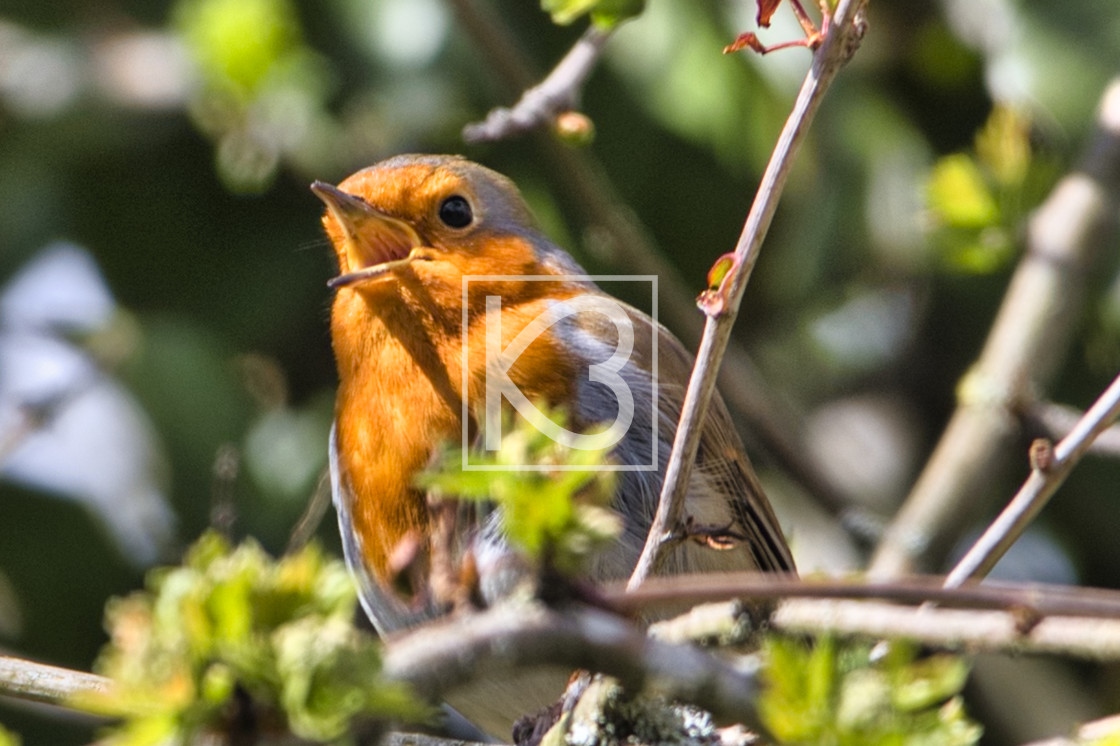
x: 976, y: 252
x: 231, y: 619
x: 836, y: 694
x: 237, y: 42
x: 605, y: 13
x: 1003, y: 146
x: 979, y: 201
x: 284, y: 448
x: 7, y: 738
x: 262, y: 89
x: 326, y: 678
x: 959, y: 195
x: 936, y: 55
x: 928, y: 681
x: 721, y: 106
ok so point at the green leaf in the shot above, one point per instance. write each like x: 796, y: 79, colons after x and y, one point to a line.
x: 609, y: 13
x: 1003, y: 146
x: 604, y: 13
x: 926, y: 682
x: 959, y: 195
x: 7, y: 738
x: 232, y: 619
x: 976, y: 252
x: 557, y: 515
x: 832, y: 693
x: 237, y: 42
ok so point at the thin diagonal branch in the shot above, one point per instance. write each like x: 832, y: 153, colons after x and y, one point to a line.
x: 1036, y: 491
x: 836, y: 49
x: 1031, y: 600
x: 556, y: 94
x: 1055, y: 421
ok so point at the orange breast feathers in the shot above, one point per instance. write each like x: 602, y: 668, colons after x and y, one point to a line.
x: 406, y: 236
x: 401, y: 398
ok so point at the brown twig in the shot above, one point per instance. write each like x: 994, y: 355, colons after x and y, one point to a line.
x: 835, y: 50
x: 1043, y: 481
x: 1028, y: 341
x: 313, y: 515
x: 1057, y: 420
x: 540, y: 105
x: 1037, y: 599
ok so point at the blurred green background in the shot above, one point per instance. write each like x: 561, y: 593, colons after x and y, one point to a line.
x: 164, y: 354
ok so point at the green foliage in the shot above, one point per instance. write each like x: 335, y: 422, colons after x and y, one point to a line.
x: 7, y: 738
x: 260, y: 84
x: 237, y: 42
x: 978, y: 199
x: 960, y: 195
x: 230, y: 623
x: 556, y: 512
x: 604, y: 13
x: 837, y: 695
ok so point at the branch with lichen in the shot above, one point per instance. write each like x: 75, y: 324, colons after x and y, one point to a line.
x: 1009, y: 618
x: 457, y: 651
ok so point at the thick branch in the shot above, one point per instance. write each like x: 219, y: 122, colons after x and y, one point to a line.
x: 1088, y: 638
x: 995, y: 617
x: 1027, y: 343
x: 1033, y: 599
x: 439, y: 657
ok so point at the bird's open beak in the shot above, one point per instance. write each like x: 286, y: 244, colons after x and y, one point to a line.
x: 376, y: 243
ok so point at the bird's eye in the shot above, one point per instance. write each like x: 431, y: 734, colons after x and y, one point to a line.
x: 455, y: 212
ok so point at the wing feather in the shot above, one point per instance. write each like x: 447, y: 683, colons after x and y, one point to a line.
x: 723, y: 490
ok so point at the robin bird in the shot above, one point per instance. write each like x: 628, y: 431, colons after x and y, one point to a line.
x: 415, y: 349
